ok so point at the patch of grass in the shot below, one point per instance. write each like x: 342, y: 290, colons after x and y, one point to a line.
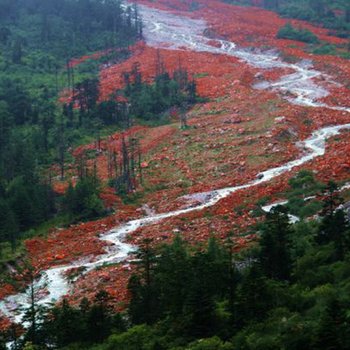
x: 254, y: 160
x: 289, y: 58
x: 208, y: 214
x: 133, y: 198
x: 200, y: 75
x: 215, y: 112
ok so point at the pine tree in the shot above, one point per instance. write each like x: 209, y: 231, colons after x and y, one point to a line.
x: 334, y: 226
x: 99, y: 320
x: 172, y: 274
x: 332, y: 331
x: 135, y: 308
x: 253, y: 299
x: 144, y: 305
x: 199, y: 310
x: 34, y: 315
x: 17, y: 51
x: 275, y: 256
x: 65, y: 324
x: 22, y: 203
x: 347, y: 13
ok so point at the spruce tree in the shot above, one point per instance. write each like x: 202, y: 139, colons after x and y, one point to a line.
x: 275, y: 255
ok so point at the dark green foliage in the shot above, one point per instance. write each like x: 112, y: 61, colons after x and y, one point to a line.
x: 24, y: 203
x: 98, y: 320
x: 271, y: 4
x: 253, y: 300
x: 86, y: 94
x: 139, y: 337
x: 8, y: 225
x: 88, y: 324
x: 325, y: 49
x: 144, y: 306
x: 172, y: 276
x: 38, y: 38
x: 333, y: 331
x: 302, y: 193
x: 34, y: 316
x: 82, y: 201
x: 304, y: 183
x: 275, y: 244
x: 199, y: 308
x: 184, y: 287
x: 68, y: 27
x: 149, y: 102
x: 319, y: 12
x: 289, y: 32
x: 66, y: 324
x: 334, y: 227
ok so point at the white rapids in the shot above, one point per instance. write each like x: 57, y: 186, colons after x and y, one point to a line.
x: 267, y: 208
x: 175, y: 32
x: 169, y: 31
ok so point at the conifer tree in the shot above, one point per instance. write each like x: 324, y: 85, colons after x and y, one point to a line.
x: 275, y: 244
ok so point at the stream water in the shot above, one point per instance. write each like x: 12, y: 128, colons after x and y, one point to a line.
x: 174, y: 32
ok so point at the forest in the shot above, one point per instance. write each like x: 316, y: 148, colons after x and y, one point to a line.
x: 287, y: 291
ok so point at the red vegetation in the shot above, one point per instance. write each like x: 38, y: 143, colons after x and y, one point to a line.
x: 112, y: 279
x: 237, y: 134
x: 196, y: 63
x: 5, y: 290
x: 70, y: 244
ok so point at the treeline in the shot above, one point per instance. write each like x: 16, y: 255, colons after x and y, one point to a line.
x: 65, y: 28
x: 289, y: 291
x: 334, y: 15
x: 149, y: 102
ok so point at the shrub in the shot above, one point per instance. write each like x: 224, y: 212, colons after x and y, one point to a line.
x: 82, y: 201
x: 326, y: 49
x: 299, y: 34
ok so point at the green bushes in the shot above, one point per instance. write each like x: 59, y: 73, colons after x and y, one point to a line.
x: 152, y: 102
x: 82, y: 201
x: 291, y: 33
x: 326, y: 49
x: 304, y: 185
x: 295, y: 11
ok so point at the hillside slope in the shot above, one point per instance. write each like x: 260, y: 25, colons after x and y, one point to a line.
x: 270, y: 108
